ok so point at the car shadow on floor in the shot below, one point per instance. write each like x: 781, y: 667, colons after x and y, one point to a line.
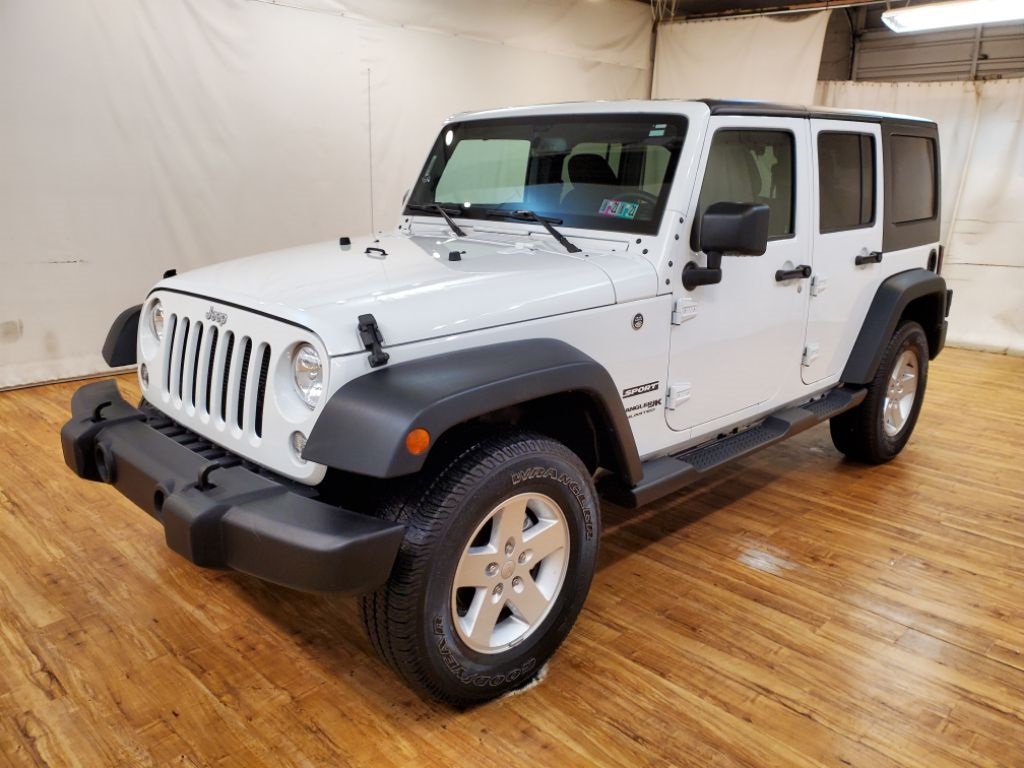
x: 328, y: 629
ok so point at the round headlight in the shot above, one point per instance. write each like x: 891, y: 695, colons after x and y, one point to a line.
x: 156, y: 319
x: 309, y: 374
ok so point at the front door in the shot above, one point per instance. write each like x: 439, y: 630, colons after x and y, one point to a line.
x: 737, y: 346
x: 847, y: 244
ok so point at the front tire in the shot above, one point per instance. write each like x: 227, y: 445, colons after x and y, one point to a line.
x: 498, y: 556
x: 877, y: 430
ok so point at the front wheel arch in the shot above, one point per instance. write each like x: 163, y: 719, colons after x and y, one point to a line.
x: 442, y: 392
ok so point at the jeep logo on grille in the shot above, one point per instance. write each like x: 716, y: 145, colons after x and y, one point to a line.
x: 216, y: 317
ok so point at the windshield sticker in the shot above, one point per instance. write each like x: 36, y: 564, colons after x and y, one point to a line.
x: 658, y: 129
x: 619, y: 208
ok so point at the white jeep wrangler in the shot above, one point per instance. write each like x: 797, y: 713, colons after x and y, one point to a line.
x: 429, y: 417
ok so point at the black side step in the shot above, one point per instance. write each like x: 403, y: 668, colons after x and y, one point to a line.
x: 668, y: 474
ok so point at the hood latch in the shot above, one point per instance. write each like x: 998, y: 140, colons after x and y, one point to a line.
x: 370, y: 336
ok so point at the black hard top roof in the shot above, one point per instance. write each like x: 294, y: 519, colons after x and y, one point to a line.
x: 769, y: 109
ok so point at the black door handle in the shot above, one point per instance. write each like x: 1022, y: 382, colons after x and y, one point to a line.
x: 782, y: 275
x: 875, y: 257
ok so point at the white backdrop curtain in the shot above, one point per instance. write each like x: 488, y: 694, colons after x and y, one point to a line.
x: 141, y: 135
x: 774, y: 58
x: 980, y: 130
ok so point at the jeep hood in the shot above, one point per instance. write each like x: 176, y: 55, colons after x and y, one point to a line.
x: 409, y: 284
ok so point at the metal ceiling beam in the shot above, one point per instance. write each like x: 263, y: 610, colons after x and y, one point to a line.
x: 768, y: 9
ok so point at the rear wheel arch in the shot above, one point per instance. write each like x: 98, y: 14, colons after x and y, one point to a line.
x: 928, y: 311
x: 916, y: 295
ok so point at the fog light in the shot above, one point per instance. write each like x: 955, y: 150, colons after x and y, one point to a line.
x: 144, y: 375
x: 298, y: 444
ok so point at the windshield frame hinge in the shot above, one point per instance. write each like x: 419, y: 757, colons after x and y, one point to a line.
x: 684, y: 308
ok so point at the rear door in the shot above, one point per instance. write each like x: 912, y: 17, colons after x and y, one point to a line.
x: 847, y: 227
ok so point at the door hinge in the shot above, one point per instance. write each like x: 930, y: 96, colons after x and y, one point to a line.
x: 677, y: 395
x: 684, y: 309
x: 810, y: 355
x: 818, y: 285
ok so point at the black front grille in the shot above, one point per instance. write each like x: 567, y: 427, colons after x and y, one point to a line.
x: 205, y: 366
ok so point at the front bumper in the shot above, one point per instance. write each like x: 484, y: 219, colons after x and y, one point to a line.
x: 219, y: 514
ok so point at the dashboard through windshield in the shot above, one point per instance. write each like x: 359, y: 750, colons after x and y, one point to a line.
x: 606, y: 172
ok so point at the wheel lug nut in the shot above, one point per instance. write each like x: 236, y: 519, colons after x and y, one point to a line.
x: 498, y: 589
x: 517, y: 584
x: 525, y: 555
x: 510, y: 546
x: 492, y: 569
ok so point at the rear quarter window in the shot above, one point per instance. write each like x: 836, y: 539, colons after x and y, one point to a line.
x: 912, y: 183
x: 913, y: 169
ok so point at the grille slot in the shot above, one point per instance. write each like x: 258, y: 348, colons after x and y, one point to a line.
x: 261, y: 389
x: 214, y: 333
x: 243, y: 380
x: 179, y: 351
x: 196, y: 349
x: 172, y: 324
x: 226, y: 375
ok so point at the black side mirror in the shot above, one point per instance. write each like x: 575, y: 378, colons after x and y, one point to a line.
x: 739, y: 229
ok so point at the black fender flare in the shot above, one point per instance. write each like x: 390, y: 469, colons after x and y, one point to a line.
x: 119, y: 347
x: 891, y: 300
x: 363, y: 426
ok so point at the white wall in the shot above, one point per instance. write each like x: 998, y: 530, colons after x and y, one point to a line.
x: 139, y: 135
x: 982, y: 142
x: 772, y: 58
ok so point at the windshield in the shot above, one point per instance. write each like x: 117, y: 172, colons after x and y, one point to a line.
x: 609, y: 172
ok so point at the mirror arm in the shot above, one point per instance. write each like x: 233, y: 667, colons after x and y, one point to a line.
x: 695, y: 275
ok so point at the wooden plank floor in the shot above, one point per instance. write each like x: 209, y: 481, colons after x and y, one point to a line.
x: 794, y: 610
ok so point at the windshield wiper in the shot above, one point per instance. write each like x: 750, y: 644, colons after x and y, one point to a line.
x: 545, y: 221
x: 455, y: 228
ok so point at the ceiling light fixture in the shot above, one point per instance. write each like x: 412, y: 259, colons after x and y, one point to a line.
x: 959, y: 13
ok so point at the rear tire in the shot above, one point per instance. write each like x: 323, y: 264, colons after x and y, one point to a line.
x: 876, y: 430
x: 499, y: 552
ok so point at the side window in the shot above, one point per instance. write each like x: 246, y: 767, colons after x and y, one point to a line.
x: 913, y: 173
x: 749, y: 166
x: 846, y: 180
x: 485, y: 171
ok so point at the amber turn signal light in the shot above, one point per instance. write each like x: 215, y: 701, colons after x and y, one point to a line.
x: 417, y: 441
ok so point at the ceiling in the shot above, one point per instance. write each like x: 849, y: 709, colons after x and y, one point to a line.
x: 685, y: 9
